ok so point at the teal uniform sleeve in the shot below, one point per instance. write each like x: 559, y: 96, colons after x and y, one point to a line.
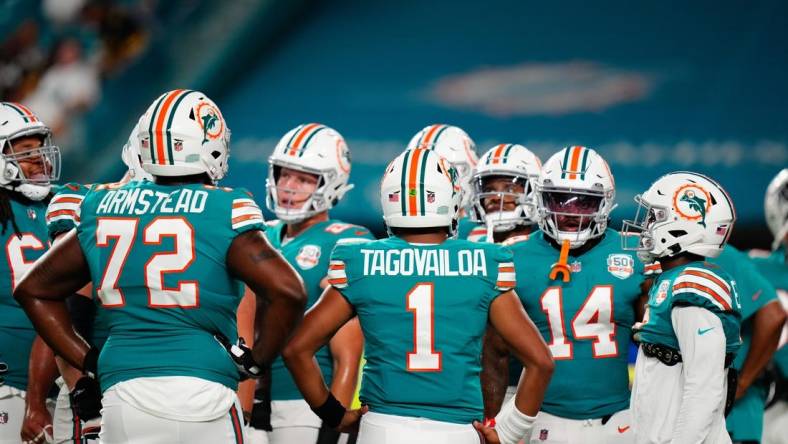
x: 245, y: 214
x: 64, y: 210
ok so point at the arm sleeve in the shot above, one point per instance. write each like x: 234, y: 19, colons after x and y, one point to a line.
x: 245, y: 214
x: 702, y: 343
x: 63, y: 212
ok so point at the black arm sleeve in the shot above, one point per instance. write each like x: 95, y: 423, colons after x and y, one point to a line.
x: 82, y: 311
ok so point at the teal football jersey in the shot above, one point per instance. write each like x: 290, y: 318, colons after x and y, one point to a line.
x: 465, y: 228
x: 423, y: 310
x: 309, y: 254
x: 16, y: 331
x: 699, y: 284
x: 157, y: 260
x: 775, y: 269
x: 745, y: 421
x: 63, y: 215
x: 586, y: 322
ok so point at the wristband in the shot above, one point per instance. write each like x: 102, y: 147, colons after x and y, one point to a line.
x: 512, y: 425
x: 331, y: 412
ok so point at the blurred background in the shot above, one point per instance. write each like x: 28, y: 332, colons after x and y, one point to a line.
x: 653, y: 86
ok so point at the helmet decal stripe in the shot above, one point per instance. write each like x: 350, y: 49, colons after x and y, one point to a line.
x: 295, y: 133
x: 496, y: 156
x: 574, y: 162
x: 422, y: 176
x: 404, y: 181
x: 583, y: 165
x: 306, y: 142
x: 26, y: 113
x: 296, y: 144
x: 427, y: 137
x: 169, y: 122
x: 150, y: 129
x: 438, y: 135
x: 413, y: 178
x: 159, y: 128
x: 565, y: 163
x: 506, y: 153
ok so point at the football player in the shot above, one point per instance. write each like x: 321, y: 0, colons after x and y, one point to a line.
x: 689, y: 334
x: 583, y: 293
x: 424, y: 301
x: 29, y: 163
x: 454, y: 145
x: 148, y: 247
x: 307, y: 175
x: 773, y: 266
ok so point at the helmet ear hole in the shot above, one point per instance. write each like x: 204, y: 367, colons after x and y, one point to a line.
x: 216, y: 154
x: 677, y: 233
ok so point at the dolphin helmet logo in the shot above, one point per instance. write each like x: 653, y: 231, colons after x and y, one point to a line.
x: 692, y: 202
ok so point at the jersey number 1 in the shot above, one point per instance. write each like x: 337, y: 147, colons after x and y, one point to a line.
x: 594, y: 321
x: 421, y: 301
x: 124, y: 231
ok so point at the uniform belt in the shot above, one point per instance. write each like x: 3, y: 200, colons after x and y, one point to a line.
x: 670, y: 356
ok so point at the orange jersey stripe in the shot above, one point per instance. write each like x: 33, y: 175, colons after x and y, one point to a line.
x: 159, y: 128
x: 337, y: 281
x: 708, y: 276
x: 300, y: 138
x: 505, y: 283
x: 704, y: 289
x: 412, y: 176
x: 65, y: 199
x: 506, y: 269
x: 243, y: 204
x: 336, y: 267
x: 57, y: 213
x: 237, y: 219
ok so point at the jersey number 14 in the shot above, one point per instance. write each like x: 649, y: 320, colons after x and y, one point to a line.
x: 594, y: 320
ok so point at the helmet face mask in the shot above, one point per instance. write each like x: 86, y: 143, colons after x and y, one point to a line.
x: 503, y: 201
x: 681, y: 212
x: 316, y: 150
x: 776, y: 208
x: 41, y: 159
x: 574, y: 196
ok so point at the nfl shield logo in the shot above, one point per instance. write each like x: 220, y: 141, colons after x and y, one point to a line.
x: 178, y: 145
x: 3, y: 417
x: 31, y: 214
x: 430, y: 197
x: 576, y: 267
x: 543, y: 435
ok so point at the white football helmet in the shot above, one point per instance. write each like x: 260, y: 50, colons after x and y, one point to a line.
x: 680, y: 212
x: 776, y: 207
x: 131, y: 157
x: 575, y: 194
x: 454, y: 145
x: 183, y: 133
x: 522, y: 167
x: 17, y: 121
x: 420, y: 190
x: 316, y: 149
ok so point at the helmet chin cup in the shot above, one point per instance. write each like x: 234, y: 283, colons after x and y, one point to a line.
x: 34, y: 192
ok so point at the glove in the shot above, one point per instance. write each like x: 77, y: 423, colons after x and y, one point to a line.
x: 3, y: 371
x: 261, y: 410
x: 242, y: 357
x: 86, y: 396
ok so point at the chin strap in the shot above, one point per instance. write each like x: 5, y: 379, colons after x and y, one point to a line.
x: 561, y: 266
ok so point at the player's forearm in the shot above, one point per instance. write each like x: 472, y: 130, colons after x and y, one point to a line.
x: 277, y: 320
x: 495, y: 374
x: 307, y: 376
x: 51, y: 320
x: 532, y: 387
x: 767, y: 326
x: 42, y: 372
x: 346, y: 347
x: 344, y: 381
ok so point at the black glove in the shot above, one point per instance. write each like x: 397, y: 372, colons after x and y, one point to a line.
x: 242, y: 357
x: 86, y: 396
x: 3, y: 371
x: 261, y: 411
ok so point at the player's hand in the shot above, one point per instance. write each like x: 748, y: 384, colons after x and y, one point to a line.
x: 489, y: 433
x: 242, y: 357
x: 86, y: 398
x: 351, y: 420
x: 37, y: 425
x: 3, y: 371
x: 91, y: 429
